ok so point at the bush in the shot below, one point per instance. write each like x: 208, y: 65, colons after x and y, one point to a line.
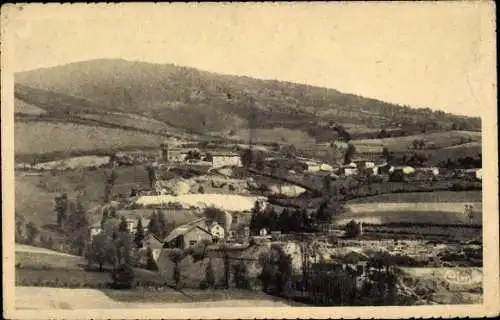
x: 353, y: 229
x: 123, y: 277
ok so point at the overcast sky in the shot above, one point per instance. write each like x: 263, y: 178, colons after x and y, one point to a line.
x: 437, y: 55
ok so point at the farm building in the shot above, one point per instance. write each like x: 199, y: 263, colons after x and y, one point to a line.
x: 432, y: 170
x: 222, y: 159
x: 193, y: 233
x: 240, y: 234
x: 169, y: 154
x: 348, y: 171
x: 472, y: 173
x: 364, y: 164
x: 383, y: 169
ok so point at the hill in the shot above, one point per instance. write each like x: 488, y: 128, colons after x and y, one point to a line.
x: 201, y: 101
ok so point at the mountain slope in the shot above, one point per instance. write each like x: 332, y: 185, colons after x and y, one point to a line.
x: 201, y: 101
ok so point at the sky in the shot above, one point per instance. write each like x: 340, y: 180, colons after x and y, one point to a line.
x: 436, y: 55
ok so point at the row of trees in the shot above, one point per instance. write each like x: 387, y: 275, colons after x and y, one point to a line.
x: 462, y: 162
x: 111, y: 246
x: 72, y: 221
x: 293, y: 220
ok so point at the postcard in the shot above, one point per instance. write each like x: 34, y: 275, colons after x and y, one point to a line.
x: 249, y: 160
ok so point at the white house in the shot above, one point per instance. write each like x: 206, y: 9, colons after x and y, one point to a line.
x: 216, y: 230
x: 479, y: 174
x: 226, y: 159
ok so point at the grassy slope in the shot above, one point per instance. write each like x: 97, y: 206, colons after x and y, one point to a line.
x: 205, y: 101
x: 439, y: 139
x: 43, y: 137
x: 27, y: 108
x: 436, y: 196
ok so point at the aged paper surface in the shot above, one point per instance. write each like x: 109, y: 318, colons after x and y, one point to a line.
x: 149, y: 171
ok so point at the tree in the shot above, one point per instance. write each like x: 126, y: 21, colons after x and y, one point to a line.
x: 291, y: 152
x: 151, y: 263
x: 105, y: 216
x: 110, y: 180
x: 176, y: 256
x: 20, y: 228
x: 151, y: 176
x: 61, y: 206
x: 210, y: 275
x: 352, y: 229
x: 31, y: 232
x: 123, y: 225
x: 162, y: 221
x: 98, y: 250
x: 327, y: 184
x: 415, y: 144
x: 139, y: 234
x: 154, y: 225
x: 123, y: 277
x: 284, y: 221
x: 349, y: 153
x: 387, y: 155
x: 240, y: 272
x: 247, y: 158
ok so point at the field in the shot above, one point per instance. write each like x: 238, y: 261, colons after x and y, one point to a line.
x: 27, y: 108
x: 436, y: 196
x: 44, y: 137
x: 400, y: 144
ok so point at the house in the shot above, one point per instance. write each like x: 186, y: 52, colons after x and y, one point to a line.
x: 431, y: 170
x: 348, y: 170
x: 383, y: 169
x: 95, y: 229
x: 240, y: 234
x: 154, y: 243
x: 217, y: 231
x: 364, y: 164
x: 193, y: 233
x: 222, y: 159
x: 263, y: 232
x: 169, y: 154
x: 472, y: 173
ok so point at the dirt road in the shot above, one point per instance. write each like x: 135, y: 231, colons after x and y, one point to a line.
x: 32, y: 298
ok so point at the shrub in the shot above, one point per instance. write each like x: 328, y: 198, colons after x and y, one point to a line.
x: 123, y: 277
x: 353, y: 229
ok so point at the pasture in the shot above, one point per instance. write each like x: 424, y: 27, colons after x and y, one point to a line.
x: 44, y: 137
x: 400, y: 144
x: 419, y: 197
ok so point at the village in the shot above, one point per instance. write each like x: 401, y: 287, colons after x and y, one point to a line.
x: 222, y: 213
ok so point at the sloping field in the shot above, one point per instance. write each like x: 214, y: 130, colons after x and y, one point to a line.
x: 222, y: 201
x: 32, y: 298
x: 418, y: 197
x: 23, y: 107
x: 129, y: 120
x: 438, y: 139
x: 74, y: 162
x: 40, y: 258
x: 22, y: 248
x: 465, y: 145
x: 412, y: 206
x: 416, y: 213
x: 298, y: 138
x: 43, y: 137
x: 33, y: 202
